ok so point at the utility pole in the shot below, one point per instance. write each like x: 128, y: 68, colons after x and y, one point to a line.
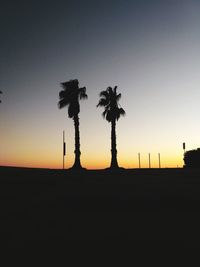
x: 149, y: 161
x: 139, y: 160
x: 184, y: 148
x: 64, y: 149
x: 159, y: 160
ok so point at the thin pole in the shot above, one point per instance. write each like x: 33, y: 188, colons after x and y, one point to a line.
x: 159, y: 160
x: 63, y: 150
x: 139, y: 160
x: 149, y: 160
x: 184, y: 148
x: 183, y: 154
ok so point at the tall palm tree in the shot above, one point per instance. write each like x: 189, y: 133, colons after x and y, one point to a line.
x: 109, y: 100
x: 70, y: 96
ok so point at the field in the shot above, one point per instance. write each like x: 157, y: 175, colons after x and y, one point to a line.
x: 149, y: 207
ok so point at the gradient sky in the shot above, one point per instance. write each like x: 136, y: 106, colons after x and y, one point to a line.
x: 149, y: 49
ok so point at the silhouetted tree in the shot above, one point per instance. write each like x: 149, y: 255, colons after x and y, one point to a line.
x: 109, y: 100
x: 70, y: 96
x: 192, y: 158
x: 0, y: 93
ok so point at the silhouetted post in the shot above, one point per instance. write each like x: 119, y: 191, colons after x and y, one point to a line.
x: 64, y: 150
x: 159, y: 160
x: 184, y: 148
x: 149, y: 161
x: 139, y: 160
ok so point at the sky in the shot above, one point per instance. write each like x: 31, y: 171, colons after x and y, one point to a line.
x: 149, y: 49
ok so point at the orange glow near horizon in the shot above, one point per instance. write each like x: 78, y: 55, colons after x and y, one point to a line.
x: 166, y: 162
x: 43, y: 148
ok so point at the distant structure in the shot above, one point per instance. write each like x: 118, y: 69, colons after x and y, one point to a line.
x: 192, y: 158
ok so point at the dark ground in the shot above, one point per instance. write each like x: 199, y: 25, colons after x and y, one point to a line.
x: 152, y: 209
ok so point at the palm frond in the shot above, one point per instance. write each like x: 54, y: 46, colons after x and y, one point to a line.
x: 109, y: 90
x: 70, y: 85
x: 62, y: 94
x: 67, y: 93
x: 83, y: 96
x: 82, y: 93
x: 119, y: 112
x: 115, y: 90
x: 104, y: 113
x: 122, y: 112
x: 65, y: 99
x: 104, y: 94
x: 70, y: 96
x: 82, y: 90
x: 62, y: 103
x: 109, y: 116
x: 109, y: 99
x: 103, y: 102
x: 118, y: 97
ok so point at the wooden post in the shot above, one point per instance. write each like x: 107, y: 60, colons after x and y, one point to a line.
x: 159, y: 160
x: 64, y: 149
x: 139, y: 160
x: 149, y: 161
x: 184, y: 148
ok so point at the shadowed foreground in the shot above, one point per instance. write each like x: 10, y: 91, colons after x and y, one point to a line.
x: 48, y: 208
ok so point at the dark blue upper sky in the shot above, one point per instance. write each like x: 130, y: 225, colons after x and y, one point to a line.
x: 39, y: 34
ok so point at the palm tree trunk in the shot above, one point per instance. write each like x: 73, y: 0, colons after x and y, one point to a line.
x: 77, y: 152
x: 114, y: 163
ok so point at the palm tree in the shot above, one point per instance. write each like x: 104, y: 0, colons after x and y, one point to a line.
x: 70, y: 96
x: 109, y: 100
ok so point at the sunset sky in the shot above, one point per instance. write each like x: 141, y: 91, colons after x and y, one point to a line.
x: 150, y: 49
